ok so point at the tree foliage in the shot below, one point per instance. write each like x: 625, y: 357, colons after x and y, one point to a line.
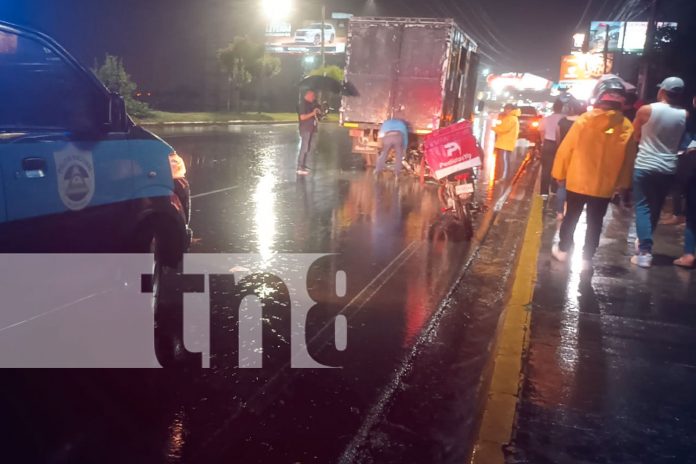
x: 236, y: 58
x: 265, y: 67
x: 113, y: 75
x: 245, y: 62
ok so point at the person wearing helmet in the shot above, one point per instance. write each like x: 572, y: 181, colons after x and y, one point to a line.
x: 659, y: 129
x: 562, y: 129
x: 595, y: 158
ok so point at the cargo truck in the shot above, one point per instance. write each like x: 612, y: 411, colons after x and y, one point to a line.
x: 420, y: 70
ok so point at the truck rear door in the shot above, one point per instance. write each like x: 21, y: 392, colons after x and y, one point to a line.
x: 420, y: 80
x: 373, y: 53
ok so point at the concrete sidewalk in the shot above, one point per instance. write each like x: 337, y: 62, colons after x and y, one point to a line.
x: 610, y: 373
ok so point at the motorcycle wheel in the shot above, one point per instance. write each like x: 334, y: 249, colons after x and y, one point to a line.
x: 464, y: 217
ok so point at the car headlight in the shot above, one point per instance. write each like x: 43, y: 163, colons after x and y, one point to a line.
x: 177, y: 165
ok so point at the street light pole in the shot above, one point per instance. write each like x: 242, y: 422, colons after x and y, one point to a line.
x: 647, y: 53
x: 323, y: 36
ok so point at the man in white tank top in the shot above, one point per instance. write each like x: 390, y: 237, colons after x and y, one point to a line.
x: 659, y: 129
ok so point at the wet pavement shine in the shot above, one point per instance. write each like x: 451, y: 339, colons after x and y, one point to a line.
x: 610, y: 373
x: 414, y: 337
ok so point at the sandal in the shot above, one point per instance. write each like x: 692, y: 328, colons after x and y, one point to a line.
x: 686, y: 262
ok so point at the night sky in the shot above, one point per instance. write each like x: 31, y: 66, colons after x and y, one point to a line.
x: 164, y: 42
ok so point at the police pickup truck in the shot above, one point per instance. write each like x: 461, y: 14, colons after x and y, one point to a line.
x: 76, y: 174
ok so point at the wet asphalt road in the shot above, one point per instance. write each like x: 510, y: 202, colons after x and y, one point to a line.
x: 400, y: 257
x: 612, y: 356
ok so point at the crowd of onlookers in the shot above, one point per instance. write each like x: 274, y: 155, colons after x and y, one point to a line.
x: 643, y: 155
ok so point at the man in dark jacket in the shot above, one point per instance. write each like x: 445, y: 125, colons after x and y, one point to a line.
x: 308, y: 114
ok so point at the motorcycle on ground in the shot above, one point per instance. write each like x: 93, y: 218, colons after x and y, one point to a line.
x: 456, y: 189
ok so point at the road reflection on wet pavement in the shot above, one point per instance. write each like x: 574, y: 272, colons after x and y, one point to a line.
x: 400, y: 257
x: 612, y: 358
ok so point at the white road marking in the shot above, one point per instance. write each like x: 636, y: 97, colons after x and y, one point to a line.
x: 227, y: 189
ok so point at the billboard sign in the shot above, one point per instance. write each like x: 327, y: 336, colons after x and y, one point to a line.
x: 628, y: 37
x: 665, y: 34
x: 278, y: 29
x: 306, y: 37
x: 581, y: 66
x: 634, y: 38
x: 606, y: 36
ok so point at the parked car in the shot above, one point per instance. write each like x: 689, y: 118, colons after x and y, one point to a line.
x: 312, y: 34
x: 76, y: 173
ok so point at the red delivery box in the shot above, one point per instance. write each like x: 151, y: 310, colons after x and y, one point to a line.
x: 451, y: 149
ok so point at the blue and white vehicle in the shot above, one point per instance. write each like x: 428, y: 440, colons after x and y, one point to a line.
x: 76, y: 173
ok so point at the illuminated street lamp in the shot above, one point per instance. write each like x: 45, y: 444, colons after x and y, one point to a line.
x: 279, y: 10
x: 276, y: 10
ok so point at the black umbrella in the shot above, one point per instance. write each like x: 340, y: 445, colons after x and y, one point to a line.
x: 349, y: 90
x: 328, y: 84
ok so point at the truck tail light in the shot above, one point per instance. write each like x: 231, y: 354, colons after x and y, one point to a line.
x: 177, y: 165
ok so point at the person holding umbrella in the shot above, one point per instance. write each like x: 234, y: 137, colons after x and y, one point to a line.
x: 308, y: 114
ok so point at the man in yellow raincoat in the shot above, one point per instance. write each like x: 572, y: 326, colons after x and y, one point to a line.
x: 594, y: 159
x: 507, y: 130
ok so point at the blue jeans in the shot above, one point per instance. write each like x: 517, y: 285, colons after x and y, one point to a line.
x: 650, y: 189
x: 690, y: 232
x: 308, y: 142
x: 395, y: 141
x: 502, y: 160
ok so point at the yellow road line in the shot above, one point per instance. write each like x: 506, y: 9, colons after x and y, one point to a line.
x: 499, y: 412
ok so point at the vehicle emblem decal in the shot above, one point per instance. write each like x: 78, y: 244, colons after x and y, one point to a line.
x: 75, y: 173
